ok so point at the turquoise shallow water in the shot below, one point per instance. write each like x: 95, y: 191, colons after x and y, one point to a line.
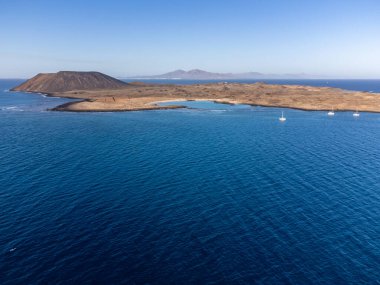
x: 216, y: 194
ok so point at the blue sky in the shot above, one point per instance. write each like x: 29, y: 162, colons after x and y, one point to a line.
x: 123, y: 38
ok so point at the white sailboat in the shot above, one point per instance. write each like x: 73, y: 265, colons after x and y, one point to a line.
x: 356, y: 114
x: 282, y: 118
x: 331, y: 113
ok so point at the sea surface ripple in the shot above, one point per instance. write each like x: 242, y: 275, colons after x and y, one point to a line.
x: 187, y: 196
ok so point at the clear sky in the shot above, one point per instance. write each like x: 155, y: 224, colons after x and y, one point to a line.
x: 338, y: 38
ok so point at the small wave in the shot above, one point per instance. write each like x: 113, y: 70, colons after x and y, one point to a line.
x: 11, y: 108
x: 217, y: 111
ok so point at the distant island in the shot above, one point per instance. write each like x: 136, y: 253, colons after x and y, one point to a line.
x: 100, y: 92
x: 198, y: 74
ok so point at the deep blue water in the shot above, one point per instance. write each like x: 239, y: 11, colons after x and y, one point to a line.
x: 368, y: 85
x: 219, y: 195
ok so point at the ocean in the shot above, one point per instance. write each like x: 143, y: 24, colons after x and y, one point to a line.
x: 367, y: 85
x: 215, y: 194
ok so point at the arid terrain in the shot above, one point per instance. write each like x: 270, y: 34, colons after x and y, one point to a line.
x: 104, y: 93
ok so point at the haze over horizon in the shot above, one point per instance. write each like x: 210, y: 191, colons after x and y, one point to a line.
x: 129, y: 38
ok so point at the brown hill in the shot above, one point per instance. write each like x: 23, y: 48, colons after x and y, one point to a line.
x: 63, y: 81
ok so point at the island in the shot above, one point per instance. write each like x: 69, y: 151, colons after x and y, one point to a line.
x: 99, y: 93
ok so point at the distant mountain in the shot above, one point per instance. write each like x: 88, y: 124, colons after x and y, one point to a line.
x: 197, y: 74
x: 63, y: 81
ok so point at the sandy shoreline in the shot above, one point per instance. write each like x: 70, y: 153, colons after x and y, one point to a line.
x: 141, y: 96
